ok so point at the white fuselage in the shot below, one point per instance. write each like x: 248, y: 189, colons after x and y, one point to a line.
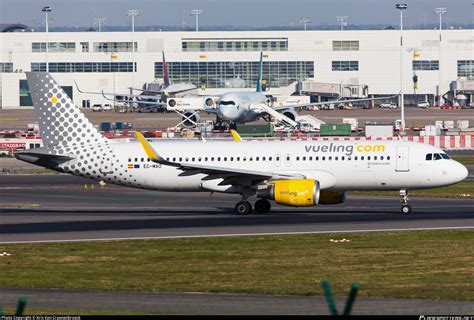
x: 337, y: 165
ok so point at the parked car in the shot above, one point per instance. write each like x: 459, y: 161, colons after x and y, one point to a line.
x: 346, y: 106
x: 389, y: 105
x: 107, y: 107
x: 423, y: 104
x: 97, y: 107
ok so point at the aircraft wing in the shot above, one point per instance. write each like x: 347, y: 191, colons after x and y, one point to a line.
x: 117, y: 94
x: 135, y: 101
x: 303, y: 105
x: 230, y: 175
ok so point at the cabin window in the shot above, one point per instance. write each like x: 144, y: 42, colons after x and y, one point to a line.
x: 129, y: 159
x: 256, y: 158
x: 193, y: 159
x: 297, y: 158
x: 323, y: 158
x: 335, y: 158
x: 362, y: 158
x: 218, y: 158
x: 388, y: 157
x: 180, y: 159
x: 381, y: 157
x: 368, y: 158
x: 199, y: 159
x: 136, y: 159
x: 310, y: 158
x: 225, y: 158
x: 212, y: 158
x: 330, y: 158
x: 269, y: 158
x: 174, y: 159
x: 375, y: 157
x: 231, y: 158
x: 142, y: 159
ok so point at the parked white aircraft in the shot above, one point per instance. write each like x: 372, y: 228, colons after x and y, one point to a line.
x: 292, y: 173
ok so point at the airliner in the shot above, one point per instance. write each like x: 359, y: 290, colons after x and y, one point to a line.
x: 154, y: 97
x: 290, y: 173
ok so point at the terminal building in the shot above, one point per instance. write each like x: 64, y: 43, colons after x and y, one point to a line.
x: 306, y: 62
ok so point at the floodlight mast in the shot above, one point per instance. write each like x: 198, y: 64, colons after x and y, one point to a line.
x: 99, y: 22
x: 46, y: 10
x: 440, y: 12
x: 305, y: 21
x: 401, y: 7
x: 196, y: 13
x: 342, y: 20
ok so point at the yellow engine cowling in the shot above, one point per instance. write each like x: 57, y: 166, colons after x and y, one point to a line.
x: 295, y: 193
x: 332, y: 197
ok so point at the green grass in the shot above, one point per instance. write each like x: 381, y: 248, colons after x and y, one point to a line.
x: 460, y: 190
x: 425, y: 265
x: 464, y: 159
x: 70, y: 312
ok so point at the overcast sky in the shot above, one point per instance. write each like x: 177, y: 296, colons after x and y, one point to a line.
x: 257, y: 13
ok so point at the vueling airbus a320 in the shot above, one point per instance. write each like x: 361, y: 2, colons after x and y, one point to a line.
x: 291, y: 173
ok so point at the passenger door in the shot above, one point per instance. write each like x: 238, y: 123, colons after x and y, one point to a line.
x: 402, y: 159
x: 277, y: 160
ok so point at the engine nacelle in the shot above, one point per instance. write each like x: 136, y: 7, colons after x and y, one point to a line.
x: 290, y: 114
x: 295, y: 193
x: 190, y: 118
x: 332, y: 197
x: 209, y: 102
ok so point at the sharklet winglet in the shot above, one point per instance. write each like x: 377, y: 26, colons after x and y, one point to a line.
x: 236, y: 136
x: 151, y: 153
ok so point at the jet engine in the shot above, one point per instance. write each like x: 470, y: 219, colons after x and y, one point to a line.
x: 295, y: 193
x: 190, y: 118
x: 209, y: 102
x: 332, y: 197
x: 290, y: 114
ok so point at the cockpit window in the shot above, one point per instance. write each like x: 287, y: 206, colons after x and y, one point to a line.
x: 226, y: 103
x: 445, y: 156
x: 429, y: 156
x: 437, y: 156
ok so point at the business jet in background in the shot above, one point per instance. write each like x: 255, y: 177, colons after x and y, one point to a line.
x: 291, y: 173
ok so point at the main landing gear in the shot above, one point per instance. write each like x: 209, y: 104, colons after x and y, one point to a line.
x: 244, y: 207
x: 406, y: 209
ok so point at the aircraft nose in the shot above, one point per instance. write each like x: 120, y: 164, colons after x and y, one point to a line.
x: 226, y: 113
x: 460, y: 172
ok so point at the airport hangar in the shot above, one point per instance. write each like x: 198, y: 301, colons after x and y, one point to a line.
x: 223, y: 61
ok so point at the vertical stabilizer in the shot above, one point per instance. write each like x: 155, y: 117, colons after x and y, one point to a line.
x: 260, y: 69
x: 166, y: 76
x: 60, y: 121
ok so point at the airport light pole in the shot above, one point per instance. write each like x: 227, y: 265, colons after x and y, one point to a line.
x: 46, y: 22
x: 440, y: 12
x: 401, y: 7
x: 133, y: 13
x: 196, y: 13
x: 342, y: 20
x: 99, y: 22
x: 305, y: 21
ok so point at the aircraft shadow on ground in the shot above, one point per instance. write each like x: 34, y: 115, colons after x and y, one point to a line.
x: 165, y: 220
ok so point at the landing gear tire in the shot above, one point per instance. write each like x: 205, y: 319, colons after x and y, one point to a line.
x: 243, y: 207
x: 262, y: 206
x: 406, y: 209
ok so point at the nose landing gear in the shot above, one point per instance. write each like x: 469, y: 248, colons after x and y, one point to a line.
x: 406, y: 209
